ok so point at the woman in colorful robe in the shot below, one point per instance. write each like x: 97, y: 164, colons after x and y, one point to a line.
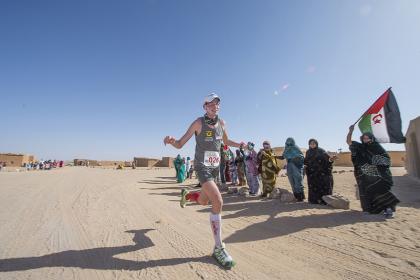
x: 295, y: 159
x: 227, y: 155
x: 240, y: 167
x: 233, y: 169
x: 268, y: 167
x: 251, y: 162
x: 187, y: 167
x: 180, y: 169
x: 319, y: 167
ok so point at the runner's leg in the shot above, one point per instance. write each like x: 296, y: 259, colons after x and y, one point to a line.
x: 211, y: 191
x: 198, y: 196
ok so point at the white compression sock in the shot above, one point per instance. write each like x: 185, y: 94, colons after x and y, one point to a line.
x: 216, y: 228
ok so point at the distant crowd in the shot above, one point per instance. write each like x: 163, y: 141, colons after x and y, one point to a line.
x: 37, y: 165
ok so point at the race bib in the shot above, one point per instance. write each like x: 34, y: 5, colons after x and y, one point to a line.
x: 211, y: 159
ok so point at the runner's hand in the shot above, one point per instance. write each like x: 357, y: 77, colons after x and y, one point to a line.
x: 351, y: 128
x: 169, y: 140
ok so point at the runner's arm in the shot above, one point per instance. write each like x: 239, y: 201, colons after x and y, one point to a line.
x: 184, y: 139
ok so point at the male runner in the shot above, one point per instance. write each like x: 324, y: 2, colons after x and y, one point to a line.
x: 210, y: 132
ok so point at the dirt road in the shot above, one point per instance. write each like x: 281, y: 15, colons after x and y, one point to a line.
x: 90, y: 223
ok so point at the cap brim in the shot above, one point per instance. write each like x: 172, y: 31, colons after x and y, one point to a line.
x: 208, y: 101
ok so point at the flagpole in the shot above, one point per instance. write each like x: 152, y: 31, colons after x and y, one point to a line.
x: 369, y: 107
x: 359, y: 119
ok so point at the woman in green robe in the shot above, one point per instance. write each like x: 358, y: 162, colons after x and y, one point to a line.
x: 179, y: 164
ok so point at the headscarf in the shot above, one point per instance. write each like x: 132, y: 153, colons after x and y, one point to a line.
x: 313, y: 140
x: 267, y: 144
x: 374, y: 148
x: 314, y: 152
x: 368, y: 134
x: 178, y: 159
x: 370, y: 153
x: 227, y: 153
x: 291, y: 150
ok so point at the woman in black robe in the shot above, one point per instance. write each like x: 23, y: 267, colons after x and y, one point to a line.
x: 318, y: 166
x: 373, y: 176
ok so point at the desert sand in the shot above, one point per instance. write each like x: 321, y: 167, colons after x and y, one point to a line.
x: 92, y: 223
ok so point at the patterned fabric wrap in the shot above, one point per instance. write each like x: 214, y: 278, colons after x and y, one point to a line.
x: 373, y: 176
x: 269, y: 170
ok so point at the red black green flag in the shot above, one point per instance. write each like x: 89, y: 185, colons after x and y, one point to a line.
x: 383, y: 119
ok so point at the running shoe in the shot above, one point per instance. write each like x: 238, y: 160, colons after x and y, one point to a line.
x: 223, y: 257
x: 183, y: 200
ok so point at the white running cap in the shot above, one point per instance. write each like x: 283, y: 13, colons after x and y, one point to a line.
x: 209, y: 98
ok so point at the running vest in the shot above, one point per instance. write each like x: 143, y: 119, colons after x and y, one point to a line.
x: 207, y: 148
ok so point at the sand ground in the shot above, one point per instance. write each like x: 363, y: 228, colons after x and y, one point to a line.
x: 91, y: 223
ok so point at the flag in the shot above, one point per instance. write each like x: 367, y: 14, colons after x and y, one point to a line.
x: 383, y: 119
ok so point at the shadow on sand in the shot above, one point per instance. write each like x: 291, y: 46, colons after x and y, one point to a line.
x: 167, y: 178
x: 98, y: 258
x: 271, y: 208
x: 163, y: 188
x: 280, y: 226
x: 157, y: 182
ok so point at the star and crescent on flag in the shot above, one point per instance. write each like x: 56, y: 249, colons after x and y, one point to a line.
x: 383, y: 119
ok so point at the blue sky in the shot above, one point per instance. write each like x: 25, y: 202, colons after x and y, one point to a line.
x: 109, y: 79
